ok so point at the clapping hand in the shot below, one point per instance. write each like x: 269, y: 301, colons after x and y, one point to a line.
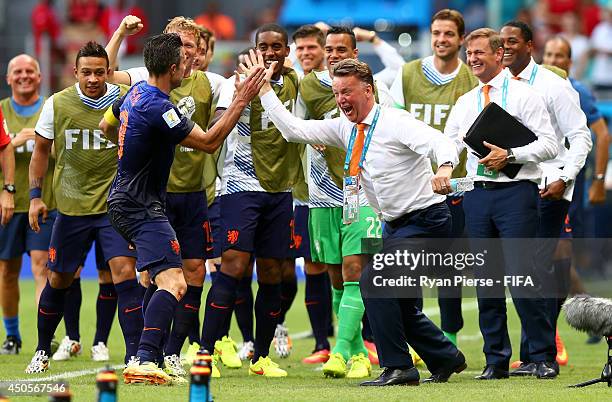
x: 248, y: 88
x: 255, y: 60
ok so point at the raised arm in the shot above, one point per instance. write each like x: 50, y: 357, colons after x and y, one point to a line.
x: 130, y: 25
x: 293, y: 129
x: 209, y: 141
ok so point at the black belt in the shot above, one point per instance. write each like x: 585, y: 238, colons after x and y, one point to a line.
x: 494, y: 185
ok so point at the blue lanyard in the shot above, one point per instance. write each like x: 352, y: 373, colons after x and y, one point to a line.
x: 366, y: 145
x: 504, y: 95
x: 533, y: 74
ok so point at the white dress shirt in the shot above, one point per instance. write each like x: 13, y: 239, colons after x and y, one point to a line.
x: 527, y: 106
x: 397, y: 170
x: 568, y: 121
x: 322, y: 190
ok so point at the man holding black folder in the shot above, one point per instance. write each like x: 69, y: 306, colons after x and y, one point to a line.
x: 504, y: 204
x: 569, y: 123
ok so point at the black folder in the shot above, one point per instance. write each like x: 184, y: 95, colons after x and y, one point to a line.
x: 498, y: 127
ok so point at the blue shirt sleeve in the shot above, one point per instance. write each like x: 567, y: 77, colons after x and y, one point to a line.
x: 172, y: 124
x: 587, y: 102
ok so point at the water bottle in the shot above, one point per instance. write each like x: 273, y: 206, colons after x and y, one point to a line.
x: 106, y: 383
x: 61, y: 393
x: 462, y: 184
x: 199, y: 388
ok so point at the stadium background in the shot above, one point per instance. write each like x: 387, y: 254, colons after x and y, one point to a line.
x: 391, y: 18
x: 54, y: 30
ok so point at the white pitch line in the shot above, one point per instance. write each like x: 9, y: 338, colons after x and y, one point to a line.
x: 431, y: 311
x: 65, y: 375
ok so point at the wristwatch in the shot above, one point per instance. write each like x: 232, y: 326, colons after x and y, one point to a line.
x: 510, y: 157
x: 10, y: 188
x: 448, y: 163
x: 599, y: 176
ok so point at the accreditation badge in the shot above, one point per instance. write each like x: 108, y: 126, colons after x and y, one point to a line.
x: 483, y: 171
x: 350, y: 203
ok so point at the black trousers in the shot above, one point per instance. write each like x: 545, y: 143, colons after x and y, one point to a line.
x: 397, y: 321
x: 492, y: 216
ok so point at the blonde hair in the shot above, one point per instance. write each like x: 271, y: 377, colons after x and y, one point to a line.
x: 183, y: 24
x: 495, y: 41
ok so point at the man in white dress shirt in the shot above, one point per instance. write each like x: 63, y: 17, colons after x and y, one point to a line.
x: 504, y: 207
x: 397, y: 146
x: 569, y: 123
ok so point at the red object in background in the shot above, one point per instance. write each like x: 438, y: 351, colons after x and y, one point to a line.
x: 83, y: 11
x: 111, y: 18
x: 590, y: 18
x: 563, y: 6
x: 4, y: 138
x: 44, y: 21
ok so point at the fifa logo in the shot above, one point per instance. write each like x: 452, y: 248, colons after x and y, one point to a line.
x: 433, y: 115
x: 88, y: 140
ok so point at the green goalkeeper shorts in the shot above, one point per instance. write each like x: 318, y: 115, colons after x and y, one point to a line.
x: 330, y: 239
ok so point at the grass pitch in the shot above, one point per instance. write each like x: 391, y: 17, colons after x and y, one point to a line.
x: 306, y: 383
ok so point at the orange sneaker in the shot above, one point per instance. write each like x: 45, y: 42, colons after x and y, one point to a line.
x: 562, y: 356
x: 372, y: 353
x: 516, y: 364
x: 318, y: 356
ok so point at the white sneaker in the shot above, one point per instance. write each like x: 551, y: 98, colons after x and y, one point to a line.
x: 39, y: 363
x: 282, y: 342
x: 173, y: 366
x: 246, y: 350
x: 67, y: 349
x: 99, y: 353
x: 134, y: 361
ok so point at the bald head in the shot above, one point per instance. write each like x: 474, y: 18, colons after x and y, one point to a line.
x: 23, y: 76
x: 23, y: 58
x: 558, y: 53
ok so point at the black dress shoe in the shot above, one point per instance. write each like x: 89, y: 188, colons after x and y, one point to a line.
x: 492, y: 373
x: 525, y: 369
x: 443, y: 374
x: 391, y: 376
x: 546, y: 371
